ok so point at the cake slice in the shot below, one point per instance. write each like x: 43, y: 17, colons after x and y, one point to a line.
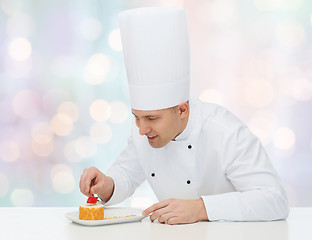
x: 91, y: 211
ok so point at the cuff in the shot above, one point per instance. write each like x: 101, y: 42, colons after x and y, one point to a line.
x: 222, y: 207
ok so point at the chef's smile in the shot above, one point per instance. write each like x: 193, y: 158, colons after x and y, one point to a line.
x: 152, y: 138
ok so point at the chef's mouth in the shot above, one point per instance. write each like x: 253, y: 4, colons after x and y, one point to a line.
x: 152, y: 138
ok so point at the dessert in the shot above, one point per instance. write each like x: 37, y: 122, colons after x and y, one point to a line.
x: 91, y: 210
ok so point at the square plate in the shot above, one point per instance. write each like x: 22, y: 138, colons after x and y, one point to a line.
x: 123, y: 215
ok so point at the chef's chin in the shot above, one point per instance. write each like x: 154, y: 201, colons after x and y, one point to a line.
x: 153, y: 145
x: 156, y: 144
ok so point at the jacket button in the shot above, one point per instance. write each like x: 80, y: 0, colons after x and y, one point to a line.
x: 153, y: 174
x: 189, y: 146
x: 188, y: 182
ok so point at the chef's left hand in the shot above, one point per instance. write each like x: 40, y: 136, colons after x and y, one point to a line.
x: 177, y: 211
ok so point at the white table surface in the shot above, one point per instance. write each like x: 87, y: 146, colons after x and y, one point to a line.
x: 51, y: 223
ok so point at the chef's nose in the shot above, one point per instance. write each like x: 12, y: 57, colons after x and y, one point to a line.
x: 144, y: 129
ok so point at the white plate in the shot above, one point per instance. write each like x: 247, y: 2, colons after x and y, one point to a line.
x: 108, y: 213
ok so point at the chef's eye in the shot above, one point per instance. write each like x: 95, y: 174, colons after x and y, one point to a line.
x: 151, y: 118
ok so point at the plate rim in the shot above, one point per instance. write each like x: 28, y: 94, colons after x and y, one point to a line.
x: 91, y: 223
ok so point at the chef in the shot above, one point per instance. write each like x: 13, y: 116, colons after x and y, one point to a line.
x: 201, y: 161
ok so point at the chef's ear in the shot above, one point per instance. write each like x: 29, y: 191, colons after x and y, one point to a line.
x: 183, y: 109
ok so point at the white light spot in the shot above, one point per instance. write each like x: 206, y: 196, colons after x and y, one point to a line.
x: 85, y: 147
x: 114, y: 40
x: 53, y: 97
x: 262, y: 125
x: 223, y: 12
x: 302, y: 90
x: 22, y: 198
x: 27, y: 104
x: 64, y: 66
x: 62, y: 124
x: 284, y: 138
x: 63, y: 182
x: 9, y: 151
x: 96, y: 69
x: 70, y: 109
x: 42, y: 150
x: 91, y: 29
x: 6, y: 112
x: 20, y: 25
x: 11, y: 7
x: 225, y: 45
x: 4, y: 183
x: 290, y: 33
x: 258, y: 92
x: 267, y: 5
x: 60, y: 168
x: 42, y: 133
x: 211, y: 96
x: 100, y: 110
x: 62, y: 179
x: 20, y: 49
x: 101, y: 133
x: 292, y: 81
x: 291, y: 4
x: 173, y: 3
x: 120, y: 112
x: 70, y: 152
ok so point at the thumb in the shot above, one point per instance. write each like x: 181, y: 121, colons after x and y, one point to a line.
x: 93, y: 190
x: 96, y: 189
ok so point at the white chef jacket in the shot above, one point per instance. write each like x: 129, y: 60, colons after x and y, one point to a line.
x: 215, y: 158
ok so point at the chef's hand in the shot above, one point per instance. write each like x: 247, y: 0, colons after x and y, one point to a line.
x: 177, y: 211
x: 93, y: 181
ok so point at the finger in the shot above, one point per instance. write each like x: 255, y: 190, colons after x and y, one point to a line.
x: 87, y: 178
x: 173, y: 221
x: 165, y: 217
x: 95, y: 189
x: 156, y: 214
x: 86, y: 182
x: 155, y: 207
x: 91, y: 177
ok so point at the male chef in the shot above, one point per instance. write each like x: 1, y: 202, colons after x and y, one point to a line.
x: 201, y: 161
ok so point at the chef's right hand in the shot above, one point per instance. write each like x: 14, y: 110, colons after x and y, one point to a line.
x: 93, y: 181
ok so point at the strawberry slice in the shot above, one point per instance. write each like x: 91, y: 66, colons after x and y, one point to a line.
x: 92, y: 199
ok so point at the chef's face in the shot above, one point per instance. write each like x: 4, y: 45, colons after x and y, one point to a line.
x: 162, y: 126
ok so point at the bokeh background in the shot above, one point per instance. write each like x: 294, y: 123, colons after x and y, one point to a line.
x: 64, y: 102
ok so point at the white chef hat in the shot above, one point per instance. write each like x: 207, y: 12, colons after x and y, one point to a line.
x: 156, y: 52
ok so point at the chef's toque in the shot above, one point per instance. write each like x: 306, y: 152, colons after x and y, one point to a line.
x: 156, y: 52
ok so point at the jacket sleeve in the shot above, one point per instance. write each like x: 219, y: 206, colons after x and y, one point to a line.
x: 259, y: 193
x: 126, y: 173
